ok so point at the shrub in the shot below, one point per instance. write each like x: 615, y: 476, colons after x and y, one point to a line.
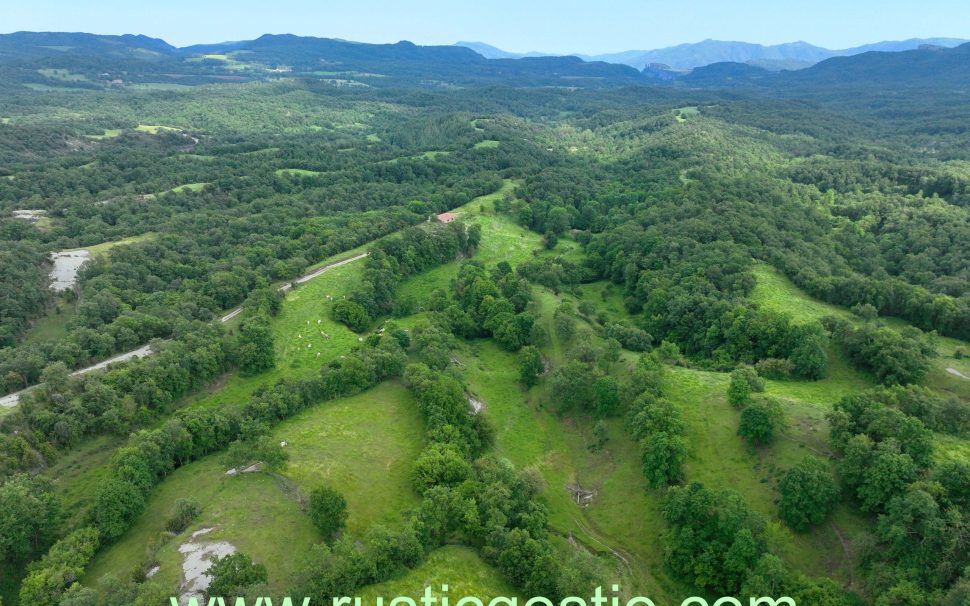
x: 254, y: 350
x: 750, y: 375
x: 668, y: 352
x: 894, y: 357
x: 601, y: 435
x: 186, y: 510
x: 263, y: 449
x: 352, y: 314
x: 663, y: 455
x: 809, y: 357
x: 530, y: 365
x: 29, y: 517
x: 64, y: 563
x: 328, y: 511
x: 758, y: 424
x: 233, y: 574
x: 607, y: 394
x: 739, y: 391
x: 439, y: 464
x: 401, y: 336
x: 631, y: 337
x: 774, y: 368
x: 865, y: 311
x: 808, y: 493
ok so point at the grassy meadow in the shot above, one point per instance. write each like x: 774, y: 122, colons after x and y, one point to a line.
x: 458, y: 567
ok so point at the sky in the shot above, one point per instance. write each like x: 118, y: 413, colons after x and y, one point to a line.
x: 564, y: 26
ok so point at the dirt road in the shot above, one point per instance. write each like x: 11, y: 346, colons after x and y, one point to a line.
x: 11, y: 400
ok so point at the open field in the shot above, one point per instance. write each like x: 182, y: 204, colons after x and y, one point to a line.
x: 616, y: 524
x: 456, y: 566
x: 181, y: 189
x: 623, y: 519
x: 77, y: 474
x: 154, y: 129
x: 502, y: 240
x: 99, y: 250
x: 362, y: 445
x: 305, y: 336
x: 251, y: 511
x: 228, y: 60
x: 52, y: 326
x: 682, y: 114
x: 297, y: 172
x: 719, y: 458
x: 80, y: 469
x: 776, y: 292
x: 109, y: 133
x: 62, y: 74
x: 428, y: 155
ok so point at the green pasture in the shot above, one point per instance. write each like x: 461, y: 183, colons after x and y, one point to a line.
x: 362, y: 445
x: 487, y: 144
x: 458, y: 567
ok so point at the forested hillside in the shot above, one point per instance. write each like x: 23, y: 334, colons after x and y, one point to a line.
x: 688, y: 340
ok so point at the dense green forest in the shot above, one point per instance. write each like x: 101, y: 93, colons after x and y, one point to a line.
x: 692, y: 341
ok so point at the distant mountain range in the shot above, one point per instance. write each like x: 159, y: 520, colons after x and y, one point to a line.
x: 45, y: 61
x: 93, y: 60
x: 794, y: 55
x: 930, y: 68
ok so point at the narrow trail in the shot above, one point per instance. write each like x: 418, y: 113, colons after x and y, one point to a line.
x: 13, y: 399
x: 847, y: 553
x: 620, y: 555
x: 957, y: 373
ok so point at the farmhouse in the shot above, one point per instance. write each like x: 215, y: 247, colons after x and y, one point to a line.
x: 446, y: 217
